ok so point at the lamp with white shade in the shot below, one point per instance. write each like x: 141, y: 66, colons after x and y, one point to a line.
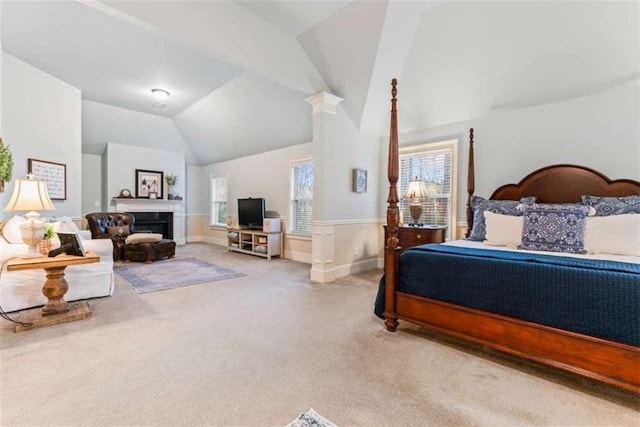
x: 416, y: 192
x: 30, y: 195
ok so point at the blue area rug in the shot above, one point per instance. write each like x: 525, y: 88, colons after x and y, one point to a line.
x: 171, y: 273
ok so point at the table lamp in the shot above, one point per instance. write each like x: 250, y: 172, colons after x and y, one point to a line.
x: 30, y: 195
x: 416, y: 191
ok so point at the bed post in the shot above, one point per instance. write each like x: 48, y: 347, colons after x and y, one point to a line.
x: 392, y: 250
x: 471, y: 184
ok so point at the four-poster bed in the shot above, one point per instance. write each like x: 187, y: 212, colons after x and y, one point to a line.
x: 611, y: 353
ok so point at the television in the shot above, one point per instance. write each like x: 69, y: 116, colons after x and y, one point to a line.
x: 251, y: 213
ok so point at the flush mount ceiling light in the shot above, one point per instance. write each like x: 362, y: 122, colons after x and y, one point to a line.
x: 160, y: 95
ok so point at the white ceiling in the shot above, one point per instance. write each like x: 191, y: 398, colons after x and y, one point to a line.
x: 294, y: 17
x: 239, y: 71
x: 110, y: 60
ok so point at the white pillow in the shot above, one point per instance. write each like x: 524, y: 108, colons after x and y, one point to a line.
x: 65, y: 224
x: 11, y: 230
x: 503, y: 230
x: 613, y: 234
x: 143, y: 238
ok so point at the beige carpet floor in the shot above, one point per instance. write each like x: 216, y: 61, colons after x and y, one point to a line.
x: 259, y: 350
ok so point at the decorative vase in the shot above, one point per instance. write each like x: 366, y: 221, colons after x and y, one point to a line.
x: 170, y: 192
x: 44, y: 247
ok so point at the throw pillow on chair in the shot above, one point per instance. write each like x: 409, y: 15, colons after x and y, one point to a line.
x: 122, y: 230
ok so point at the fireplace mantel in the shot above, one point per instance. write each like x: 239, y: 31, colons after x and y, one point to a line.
x: 157, y: 205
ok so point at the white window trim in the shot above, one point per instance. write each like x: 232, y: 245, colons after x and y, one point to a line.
x: 438, y: 146
x: 211, y: 178
x: 292, y: 164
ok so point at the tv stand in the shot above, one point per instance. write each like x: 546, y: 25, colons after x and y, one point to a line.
x: 255, y: 242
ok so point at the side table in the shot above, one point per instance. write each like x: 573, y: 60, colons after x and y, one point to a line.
x: 414, y: 236
x: 56, y: 310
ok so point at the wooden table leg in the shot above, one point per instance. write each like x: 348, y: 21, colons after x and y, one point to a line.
x: 54, y: 288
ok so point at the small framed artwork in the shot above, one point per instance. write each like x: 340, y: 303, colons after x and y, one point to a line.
x: 74, y: 241
x: 359, y: 180
x: 153, y: 195
x: 148, y: 182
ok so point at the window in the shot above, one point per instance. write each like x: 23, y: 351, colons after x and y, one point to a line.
x: 301, y: 197
x: 218, y: 200
x: 435, y: 164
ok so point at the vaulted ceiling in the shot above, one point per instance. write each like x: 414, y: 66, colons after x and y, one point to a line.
x: 239, y: 71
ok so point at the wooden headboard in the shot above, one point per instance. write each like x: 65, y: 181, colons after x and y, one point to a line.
x: 562, y: 183
x: 565, y: 184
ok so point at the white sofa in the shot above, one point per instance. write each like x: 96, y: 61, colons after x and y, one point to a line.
x: 23, y: 289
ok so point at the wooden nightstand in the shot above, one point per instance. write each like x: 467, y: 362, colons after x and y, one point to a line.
x: 414, y: 236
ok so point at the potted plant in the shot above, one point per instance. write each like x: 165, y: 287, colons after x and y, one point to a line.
x: 171, y: 180
x: 45, y: 245
x: 6, y: 164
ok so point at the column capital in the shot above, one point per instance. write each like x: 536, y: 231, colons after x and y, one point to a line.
x: 324, y: 102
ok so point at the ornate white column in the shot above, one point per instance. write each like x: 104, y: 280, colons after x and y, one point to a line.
x: 325, y: 145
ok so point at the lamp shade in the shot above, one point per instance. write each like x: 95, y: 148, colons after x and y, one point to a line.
x: 416, y: 189
x: 29, y: 195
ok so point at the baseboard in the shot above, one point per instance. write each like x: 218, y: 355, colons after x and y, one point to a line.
x: 343, y: 270
x: 207, y: 239
x: 356, y: 267
x: 298, y: 256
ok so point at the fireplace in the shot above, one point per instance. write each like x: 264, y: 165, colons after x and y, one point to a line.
x: 156, y: 222
x: 171, y: 208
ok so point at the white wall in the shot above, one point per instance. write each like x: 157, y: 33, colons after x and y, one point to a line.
x: 91, y: 184
x: 197, y: 197
x: 354, y: 150
x: 123, y: 160
x: 261, y: 175
x: 601, y: 131
x: 43, y: 123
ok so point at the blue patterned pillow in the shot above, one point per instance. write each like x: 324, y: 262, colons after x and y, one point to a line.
x: 504, y: 207
x: 606, y: 206
x: 554, y: 227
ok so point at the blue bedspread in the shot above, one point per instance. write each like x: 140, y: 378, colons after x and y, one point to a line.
x: 590, y: 297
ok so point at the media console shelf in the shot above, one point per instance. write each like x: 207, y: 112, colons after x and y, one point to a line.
x: 255, y: 242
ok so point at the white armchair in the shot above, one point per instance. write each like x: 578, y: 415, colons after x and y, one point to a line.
x: 23, y: 289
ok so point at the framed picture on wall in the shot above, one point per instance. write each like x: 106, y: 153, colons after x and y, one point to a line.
x: 149, y: 182
x: 55, y: 174
x: 359, y: 180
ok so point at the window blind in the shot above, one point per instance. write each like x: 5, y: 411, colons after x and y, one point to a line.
x: 434, y: 167
x: 302, y: 197
x: 218, y: 200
